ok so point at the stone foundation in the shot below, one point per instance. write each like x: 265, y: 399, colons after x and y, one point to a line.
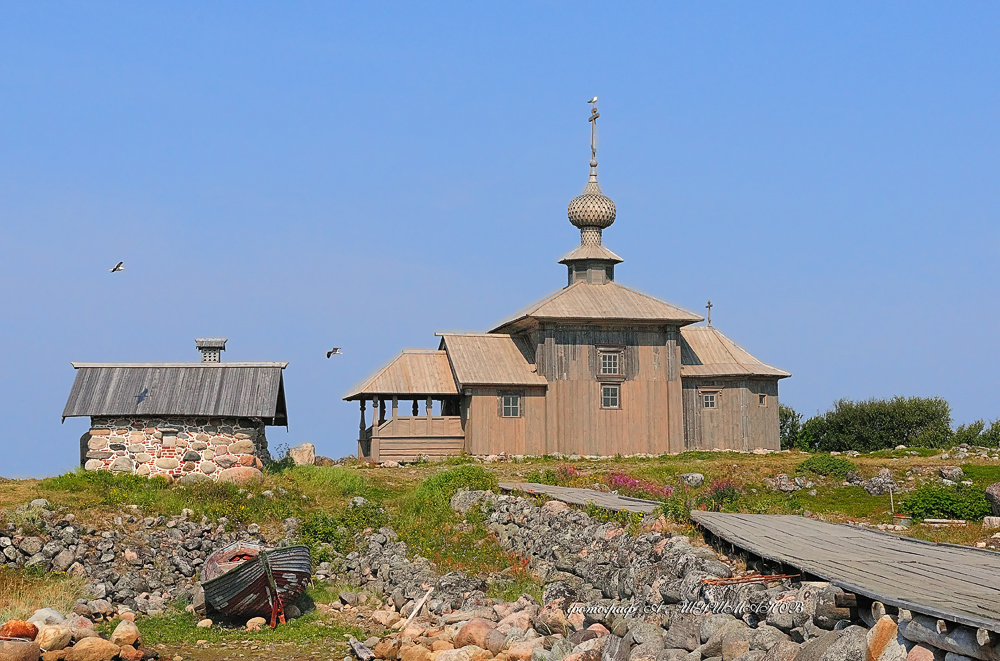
x: 173, y: 448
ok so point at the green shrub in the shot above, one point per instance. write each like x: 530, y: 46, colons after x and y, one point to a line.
x: 878, y: 424
x: 940, y: 502
x: 339, y: 529
x: 824, y: 464
x: 977, y: 433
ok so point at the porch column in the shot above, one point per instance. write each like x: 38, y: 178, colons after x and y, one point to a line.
x: 429, y: 407
x: 381, y: 411
x: 395, y: 406
x: 377, y: 405
x: 362, y: 426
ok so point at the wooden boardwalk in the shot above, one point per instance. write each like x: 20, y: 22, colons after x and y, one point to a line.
x: 946, y: 581
x: 573, y: 496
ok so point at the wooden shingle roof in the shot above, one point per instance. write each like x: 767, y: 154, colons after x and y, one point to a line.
x: 250, y: 390
x: 491, y: 359
x: 602, y: 302
x: 411, y: 373
x: 707, y: 352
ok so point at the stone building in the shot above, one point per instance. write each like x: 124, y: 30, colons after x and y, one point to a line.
x: 594, y: 369
x: 177, y: 419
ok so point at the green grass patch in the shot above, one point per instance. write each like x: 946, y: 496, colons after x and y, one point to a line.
x: 850, y: 501
x: 981, y: 475
x: 511, y: 589
x: 902, y: 454
x: 824, y: 464
x: 338, y: 530
x: 156, y: 496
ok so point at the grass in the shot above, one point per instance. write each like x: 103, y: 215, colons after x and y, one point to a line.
x: 21, y: 592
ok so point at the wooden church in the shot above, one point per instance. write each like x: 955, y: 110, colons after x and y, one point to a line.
x: 594, y: 369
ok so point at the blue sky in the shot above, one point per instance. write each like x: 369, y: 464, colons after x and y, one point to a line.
x: 296, y: 176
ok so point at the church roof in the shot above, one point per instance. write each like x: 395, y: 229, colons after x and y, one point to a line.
x: 590, y: 251
x: 707, y: 352
x: 493, y: 359
x: 238, y: 390
x: 604, y: 302
x: 411, y: 373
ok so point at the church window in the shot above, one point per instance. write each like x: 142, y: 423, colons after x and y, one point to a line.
x: 762, y: 400
x: 709, y: 400
x: 510, y: 405
x: 611, y: 397
x: 610, y: 363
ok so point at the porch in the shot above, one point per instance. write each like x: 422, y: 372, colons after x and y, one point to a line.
x: 408, y: 438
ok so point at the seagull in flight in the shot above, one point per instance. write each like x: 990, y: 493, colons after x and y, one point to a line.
x: 594, y: 100
x: 333, y: 352
x: 120, y: 266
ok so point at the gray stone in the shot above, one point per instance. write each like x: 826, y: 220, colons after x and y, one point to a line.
x: 242, y: 447
x: 122, y: 465
x: 303, y: 454
x: 167, y: 463
x: 644, y: 632
x: 207, y: 467
x: 226, y: 461
x: 993, y: 497
x: 190, y: 455
x: 709, y: 625
x: 31, y: 545
x: 765, y: 637
x: 645, y: 652
x: 783, y: 651
x: 953, y: 473
x: 673, y: 655
x: 100, y: 455
x: 137, y: 448
x: 46, y: 616
x: 881, y: 484
x: 817, y: 647
x: 713, y: 646
x: 194, y: 478
x: 692, y: 479
x: 93, y: 465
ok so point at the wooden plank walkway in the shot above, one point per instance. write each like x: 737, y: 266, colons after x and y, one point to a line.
x: 946, y: 581
x: 574, y: 496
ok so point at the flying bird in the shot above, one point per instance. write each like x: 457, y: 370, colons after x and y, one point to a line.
x: 141, y: 397
x: 120, y: 266
x: 333, y: 352
x: 594, y: 100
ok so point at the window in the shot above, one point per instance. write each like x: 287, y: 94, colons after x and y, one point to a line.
x: 708, y: 400
x: 611, y: 397
x: 762, y: 400
x: 609, y: 362
x: 510, y: 405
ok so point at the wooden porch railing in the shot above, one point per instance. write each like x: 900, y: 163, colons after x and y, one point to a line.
x: 407, y: 438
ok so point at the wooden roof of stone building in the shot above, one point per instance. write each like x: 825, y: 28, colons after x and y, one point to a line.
x: 491, y: 359
x: 412, y: 373
x: 707, y: 352
x: 609, y: 302
x: 238, y: 390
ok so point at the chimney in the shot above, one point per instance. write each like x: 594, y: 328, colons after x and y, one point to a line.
x: 210, y: 347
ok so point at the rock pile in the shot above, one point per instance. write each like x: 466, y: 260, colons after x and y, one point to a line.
x: 51, y: 636
x: 138, y: 565
x: 609, y: 596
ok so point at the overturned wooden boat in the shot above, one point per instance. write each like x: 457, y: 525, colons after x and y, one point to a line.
x: 246, y: 579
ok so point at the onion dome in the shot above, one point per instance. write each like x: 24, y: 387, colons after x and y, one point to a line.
x: 592, y: 209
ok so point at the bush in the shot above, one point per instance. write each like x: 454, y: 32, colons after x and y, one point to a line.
x: 824, y: 464
x: 627, y: 485
x: 339, y: 529
x: 940, y: 502
x: 722, y: 492
x: 879, y: 424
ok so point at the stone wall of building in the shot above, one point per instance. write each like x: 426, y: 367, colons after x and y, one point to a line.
x: 173, y: 448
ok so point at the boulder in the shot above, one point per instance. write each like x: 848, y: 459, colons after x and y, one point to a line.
x: 993, y: 497
x: 129, y: 653
x: 474, y: 632
x: 783, y: 651
x: 692, y: 479
x: 645, y: 632
x: 495, y: 641
x: 850, y: 645
x: 93, y: 649
x: 551, y: 620
x: 255, y: 623
x: 884, y: 641
x: 46, y: 616
x: 924, y: 652
x: 19, y: 650
x: 522, y: 651
x: 414, y: 653
x: 765, y: 637
x: 303, y: 454
x: 241, y: 475
x: 18, y: 629
x: 54, y: 637
x: 645, y: 652
x: 242, y: 447
x: 126, y: 633
x: 736, y: 642
x: 881, y: 484
x: 953, y: 473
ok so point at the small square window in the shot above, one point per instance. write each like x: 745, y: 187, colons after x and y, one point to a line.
x: 708, y: 399
x: 609, y: 363
x: 762, y: 400
x: 511, y: 406
x: 611, y: 397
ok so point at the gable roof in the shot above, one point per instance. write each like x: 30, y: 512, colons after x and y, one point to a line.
x: 604, y: 302
x: 411, y: 373
x: 237, y: 390
x: 491, y: 359
x: 707, y: 352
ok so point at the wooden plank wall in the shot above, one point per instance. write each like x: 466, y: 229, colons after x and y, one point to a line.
x: 650, y: 420
x: 487, y: 432
x: 738, y: 422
